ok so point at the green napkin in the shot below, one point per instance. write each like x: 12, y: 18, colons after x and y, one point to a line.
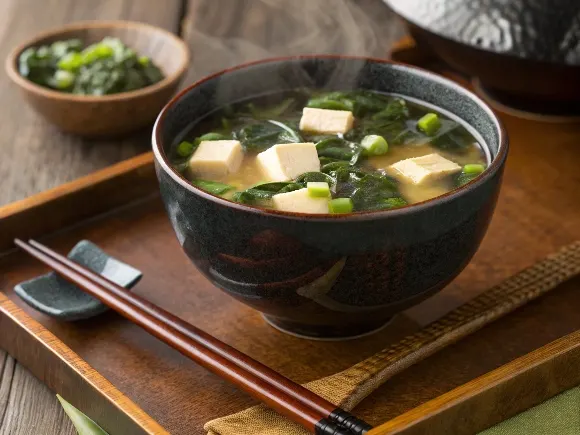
x: 559, y: 415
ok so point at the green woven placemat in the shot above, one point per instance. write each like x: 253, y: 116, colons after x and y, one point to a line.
x: 558, y: 416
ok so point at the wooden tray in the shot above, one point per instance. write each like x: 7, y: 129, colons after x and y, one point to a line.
x: 133, y: 384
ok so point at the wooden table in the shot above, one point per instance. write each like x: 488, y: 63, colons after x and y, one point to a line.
x: 35, y: 156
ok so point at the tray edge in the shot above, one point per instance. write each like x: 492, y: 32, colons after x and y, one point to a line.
x: 448, y: 413
x: 67, y: 372
x: 64, y: 205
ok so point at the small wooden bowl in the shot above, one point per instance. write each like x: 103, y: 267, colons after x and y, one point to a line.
x: 107, y: 115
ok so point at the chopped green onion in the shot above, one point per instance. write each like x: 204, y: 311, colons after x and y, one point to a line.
x: 212, y: 187
x: 143, y: 60
x: 104, y: 50
x: 429, y: 124
x: 340, y: 205
x: 96, y: 51
x: 318, y: 189
x: 70, y: 62
x: 475, y: 168
x: 374, y: 145
x: 185, y: 149
x: 63, y: 79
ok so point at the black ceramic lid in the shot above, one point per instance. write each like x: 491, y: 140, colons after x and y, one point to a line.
x: 545, y: 30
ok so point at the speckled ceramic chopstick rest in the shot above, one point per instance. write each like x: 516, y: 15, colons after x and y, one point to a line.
x: 56, y: 297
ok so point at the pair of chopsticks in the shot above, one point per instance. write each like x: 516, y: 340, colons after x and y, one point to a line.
x: 292, y: 400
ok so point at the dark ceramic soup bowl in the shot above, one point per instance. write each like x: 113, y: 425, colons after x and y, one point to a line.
x: 329, y: 276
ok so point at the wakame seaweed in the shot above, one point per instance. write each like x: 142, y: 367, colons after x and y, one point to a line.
x: 350, y: 163
x: 106, y: 67
x: 260, y: 136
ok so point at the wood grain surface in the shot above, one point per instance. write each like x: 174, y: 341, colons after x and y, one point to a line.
x: 182, y: 397
x: 36, y: 156
x: 26, y: 406
x: 522, y: 232
x: 498, y: 395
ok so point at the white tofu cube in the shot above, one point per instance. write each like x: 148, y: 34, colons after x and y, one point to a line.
x: 216, y: 158
x: 284, y: 162
x: 419, y: 170
x: 300, y: 201
x: 326, y: 121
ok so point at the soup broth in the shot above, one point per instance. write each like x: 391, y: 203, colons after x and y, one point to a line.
x: 338, y: 152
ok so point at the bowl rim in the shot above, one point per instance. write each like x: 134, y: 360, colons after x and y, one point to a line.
x: 11, y: 62
x: 496, y: 164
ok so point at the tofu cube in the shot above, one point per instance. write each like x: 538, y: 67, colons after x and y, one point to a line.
x: 284, y: 162
x: 216, y: 158
x: 326, y: 121
x: 300, y: 201
x: 420, y: 170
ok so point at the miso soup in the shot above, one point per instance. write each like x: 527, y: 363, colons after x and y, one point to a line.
x: 328, y: 152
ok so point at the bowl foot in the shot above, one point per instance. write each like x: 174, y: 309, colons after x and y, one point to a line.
x: 327, y: 332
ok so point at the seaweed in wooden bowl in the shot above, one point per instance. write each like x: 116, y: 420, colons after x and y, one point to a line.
x: 99, y: 78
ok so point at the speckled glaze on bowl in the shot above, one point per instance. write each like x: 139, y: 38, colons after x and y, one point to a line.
x: 328, y: 276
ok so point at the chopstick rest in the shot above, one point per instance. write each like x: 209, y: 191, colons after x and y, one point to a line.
x: 290, y: 399
x: 56, y: 297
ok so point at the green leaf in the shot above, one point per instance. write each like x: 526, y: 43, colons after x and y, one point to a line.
x: 262, y: 135
x: 332, y: 166
x: 83, y: 424
x: 308, y: 177
x: 371, y: 192
x: 209, y: 137
x: 292, y: 134
x: 395, y: 132
x: 369, y: 102
x: 340, y: 149
x: 453, y: 136
x: 396, y: 110
x: 264, y: 192
x: 272, y: 111
x: 464, y: 178
x: 213, y: 187
x: 393, y: 203
x: 359, y: 102
x: 325, y: 103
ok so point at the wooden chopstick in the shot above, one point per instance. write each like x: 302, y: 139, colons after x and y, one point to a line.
x: 278, y: 392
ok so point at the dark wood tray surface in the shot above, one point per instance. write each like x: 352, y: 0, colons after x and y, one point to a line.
x: 538, y: 211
